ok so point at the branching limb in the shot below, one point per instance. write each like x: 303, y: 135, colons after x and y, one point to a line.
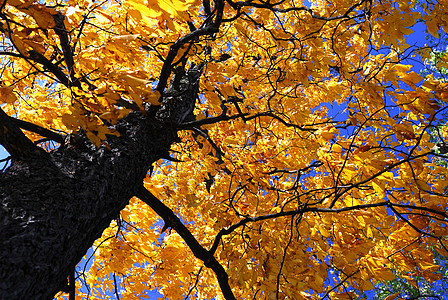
x: 47, y: 64
x: 211, y: 120
x: 245, y: 117
x: 409, y: 223
x: 304, y: 209
x: 388, y: 168
x: 199, y: 252
x: 272, y: 7
x: 209, y: 29
x: 62, y: 33
x: 339, y: 284
x: 14, y: 140
x: 39, y: 130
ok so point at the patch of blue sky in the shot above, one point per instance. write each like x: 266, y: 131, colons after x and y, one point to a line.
x: 4, y: 161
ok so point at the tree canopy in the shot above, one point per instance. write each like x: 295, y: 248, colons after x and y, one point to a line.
x: 220, y: 149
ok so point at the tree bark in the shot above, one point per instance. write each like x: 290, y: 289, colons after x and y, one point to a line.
x: 55, y: 205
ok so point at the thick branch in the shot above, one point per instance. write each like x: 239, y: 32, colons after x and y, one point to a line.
x: 14, y: 140
x: 245, y: 117
x: 200, y: 252
x: 272, y: 7
x: 208, y: 29
x: 38, y: 129
x: 211, y: 120
x: 55, y: 70
x: 62, y: 33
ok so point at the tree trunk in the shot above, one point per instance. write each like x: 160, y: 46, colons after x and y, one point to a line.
x: 55, y: 205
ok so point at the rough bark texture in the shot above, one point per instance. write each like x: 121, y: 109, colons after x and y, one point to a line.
x: 55, y: 205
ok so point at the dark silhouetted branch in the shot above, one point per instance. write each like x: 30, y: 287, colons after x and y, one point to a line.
x: 200, y: 252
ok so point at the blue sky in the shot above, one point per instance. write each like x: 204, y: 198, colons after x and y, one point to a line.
x: 3, y: 154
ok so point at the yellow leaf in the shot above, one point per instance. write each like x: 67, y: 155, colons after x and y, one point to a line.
x: 153, y: 97
x: 392, y: 297
x: 37, y: 46
x: 43, y: 16
x: 366, y: 285
x: 433, y: 27
x: 427, y: 266
x: 134, y: 81
x: 378, y: 188
x: 103, y: 17
x: 70, y: 121
x: 127, y: 38
x: 18, y: 43
x: 386, y: 275
x: 240, y: 28
x: 422, y: 185
x: 431, y: 84
x: 327, y: 135
x: 7, y: 95
x: 109, y: 116
x: 137, y: 99
x: 412, y: 78
x: 125, y: 214
x: 192, y: 200
x: 111, y: 97
x: 369, y: 232
x: 94, y: 138
x: 230, y: 141
x: 325, y: 233
x: 173, y: 7
x: 328, y: 132
x: 140, y: 10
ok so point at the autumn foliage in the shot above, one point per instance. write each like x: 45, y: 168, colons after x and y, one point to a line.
x: 309, y: 169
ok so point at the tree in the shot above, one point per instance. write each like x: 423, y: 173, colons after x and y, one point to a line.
x: 229, y: 149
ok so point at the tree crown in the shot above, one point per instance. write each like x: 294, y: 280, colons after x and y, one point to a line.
x: 306, y: 167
